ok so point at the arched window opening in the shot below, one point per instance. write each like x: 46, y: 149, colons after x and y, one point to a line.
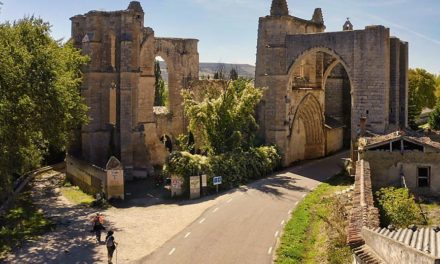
x: 161, y: 91
x: 166, y: 141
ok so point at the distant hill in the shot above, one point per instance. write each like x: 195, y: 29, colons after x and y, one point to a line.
x: 244, y: 70
x: 209, y: 69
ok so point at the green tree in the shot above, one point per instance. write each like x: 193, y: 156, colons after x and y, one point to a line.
x: 437, y: 87
x: 398, y: 207
x: 434, y: 118
x: 421, y: 93
x: 160, y: 91
x: 233, y: 75
x: 40, y: 102
x: 224, y: 123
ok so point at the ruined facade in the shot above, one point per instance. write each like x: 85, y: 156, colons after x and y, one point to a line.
x: 318, y: 84
x: 313, y: 77
x: 119, y: 88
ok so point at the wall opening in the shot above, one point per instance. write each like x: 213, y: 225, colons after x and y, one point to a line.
x: 161, y: 90
x: 166, y: 141
x: 338, y: 100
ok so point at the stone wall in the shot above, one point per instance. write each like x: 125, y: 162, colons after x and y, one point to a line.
x: 91, y: 179
x: 363, y: 213
x: 386, y: 168
x: 334, y: 140
x: 394, y: 252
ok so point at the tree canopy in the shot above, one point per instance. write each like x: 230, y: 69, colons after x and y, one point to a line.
x: 422, y: 88
x: 161, y: 93
x: 40, y: 102
x: 225, y: 123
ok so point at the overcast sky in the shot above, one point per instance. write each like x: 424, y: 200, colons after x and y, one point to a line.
x: 227, y: 29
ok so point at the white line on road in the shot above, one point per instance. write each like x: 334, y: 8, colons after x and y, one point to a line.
x: 172, y: 251
x: 215, y: 210
x: 304, y: 195
x: 269, y: 251
x: 290, y: 212
x: 230, y: 200
x: 296, y: 203
x: 187, y: 234
x: 276, y: 233
x: 203, y: 220
x: 282, y: 222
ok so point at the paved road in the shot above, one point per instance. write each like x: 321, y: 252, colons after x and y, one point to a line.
x: 245, y: 227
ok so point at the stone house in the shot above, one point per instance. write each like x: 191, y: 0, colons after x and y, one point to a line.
x: 403, y: 159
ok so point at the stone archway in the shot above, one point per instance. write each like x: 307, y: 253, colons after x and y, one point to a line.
x: 306, y: 133
x: 313, y: 131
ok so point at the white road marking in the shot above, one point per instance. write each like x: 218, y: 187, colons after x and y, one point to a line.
x: 296, y: 203
x: 203, y: 220
x: 172, y: 251
x: 282, y: 222
x: 290, y: 212
x: 304, y: 195
x: 187, y: 234
x: 215, y: 210
x: 230, y: 200
x: 276, y: 233
x: 269, y: 251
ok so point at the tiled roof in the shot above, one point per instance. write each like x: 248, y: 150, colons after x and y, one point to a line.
x: 412, y: 137
x: 426, y: 240
x: 366, y: 255
x: 332, y: 123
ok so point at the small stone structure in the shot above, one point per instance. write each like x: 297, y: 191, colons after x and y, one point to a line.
x: 403, y: 159
x: 311, y: 74
x: 95, y: 180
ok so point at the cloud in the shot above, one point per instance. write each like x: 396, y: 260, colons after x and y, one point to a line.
x: 409, y: 30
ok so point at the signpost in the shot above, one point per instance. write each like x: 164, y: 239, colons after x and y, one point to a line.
x: 176, y: 186
x: 217, y: 181
x: 194, y: 186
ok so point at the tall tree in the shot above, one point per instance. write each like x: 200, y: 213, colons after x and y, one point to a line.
x: 159, y: 86
x: 437, y: 89
x: 225, y: 123
x: 422, y: 89
x: 233, y: 75
x: 40, y: 102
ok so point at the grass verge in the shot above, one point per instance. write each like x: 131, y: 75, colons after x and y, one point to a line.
x: 23, y: 222
x: 76, y: 196
x: 316, y: 232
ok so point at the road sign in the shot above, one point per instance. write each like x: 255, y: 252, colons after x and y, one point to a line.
x: 217, y: 180
x: 204, y: 180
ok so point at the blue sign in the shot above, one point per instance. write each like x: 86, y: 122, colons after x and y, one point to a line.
x: 217, y: 180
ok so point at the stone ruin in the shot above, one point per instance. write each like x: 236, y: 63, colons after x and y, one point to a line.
x: 316, y: 80
x: 319, y: 85
x: 119, y: 88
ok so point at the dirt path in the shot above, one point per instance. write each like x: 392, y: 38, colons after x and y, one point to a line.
x: 139, y: 229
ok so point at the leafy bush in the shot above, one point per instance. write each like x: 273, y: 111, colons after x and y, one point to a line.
x: 236, y: 168
x: 434, y: 118
x: 398, y: 207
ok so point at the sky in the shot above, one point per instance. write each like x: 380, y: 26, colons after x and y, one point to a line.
x: 227, y: 29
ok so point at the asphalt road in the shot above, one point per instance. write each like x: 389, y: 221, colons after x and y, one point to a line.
x: 245, y: 227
